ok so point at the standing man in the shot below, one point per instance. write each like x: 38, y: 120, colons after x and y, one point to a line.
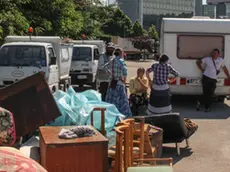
x: 210, y: 71
x: 102, y: 75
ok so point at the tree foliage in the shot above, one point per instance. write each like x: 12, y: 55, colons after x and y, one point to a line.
x: 12, y: 21
x: 54, y: 17
x: 65, y: 18
x: 118, y: 24
x: 152, y: 32
x: 143, y: 43
x: 138, y: 30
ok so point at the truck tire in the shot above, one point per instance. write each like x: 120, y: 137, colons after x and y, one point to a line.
x: 94, y: 85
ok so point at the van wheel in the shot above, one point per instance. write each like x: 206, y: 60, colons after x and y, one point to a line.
x: 221, y: 99
x: 94, y: 85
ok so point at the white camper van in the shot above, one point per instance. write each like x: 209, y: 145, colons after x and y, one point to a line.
x: 22, y: 56
x: 185, y: 41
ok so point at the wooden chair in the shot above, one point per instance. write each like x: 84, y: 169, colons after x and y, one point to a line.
x: 102, y: 110
x: 153, y: 168
x: 136, y: 138
x: 121, y: 156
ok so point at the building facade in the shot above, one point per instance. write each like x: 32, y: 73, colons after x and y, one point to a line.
x: 155, y: 10
x: 209, y: 11
x: 164, y: 7
x: 132, y: 8
x: 198, y: 8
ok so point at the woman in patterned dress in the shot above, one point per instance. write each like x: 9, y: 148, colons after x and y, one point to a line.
x: 116, y: 93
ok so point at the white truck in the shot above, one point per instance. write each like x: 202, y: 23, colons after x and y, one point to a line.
x: 22, y: 56
x: 85, y: 61
x: 185, y: 41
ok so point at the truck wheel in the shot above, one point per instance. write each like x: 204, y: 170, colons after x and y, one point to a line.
x: 54, y: 89
x: 94, y: 85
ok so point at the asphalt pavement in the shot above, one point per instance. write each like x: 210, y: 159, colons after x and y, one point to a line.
x: 209, y: 149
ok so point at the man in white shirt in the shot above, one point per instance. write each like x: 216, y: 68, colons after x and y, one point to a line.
x: 102, y: 75
x: 210, y: 71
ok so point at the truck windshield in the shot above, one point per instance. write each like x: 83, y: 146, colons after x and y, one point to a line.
x: 22, y: 55
x: 82, y: 54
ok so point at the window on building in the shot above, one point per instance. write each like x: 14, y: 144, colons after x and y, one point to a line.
x: 198, y: 46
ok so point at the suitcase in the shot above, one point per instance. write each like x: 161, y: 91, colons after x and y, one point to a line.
x: 86, y: 154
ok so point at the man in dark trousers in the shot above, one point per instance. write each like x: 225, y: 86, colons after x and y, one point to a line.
x: 210, y: 71
x: 102, y: 75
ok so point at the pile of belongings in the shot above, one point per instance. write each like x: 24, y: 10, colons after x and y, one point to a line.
x: 76, y: 132
x: 77, y: 107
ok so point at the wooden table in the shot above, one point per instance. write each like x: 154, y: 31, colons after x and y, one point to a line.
x: 85, y: 154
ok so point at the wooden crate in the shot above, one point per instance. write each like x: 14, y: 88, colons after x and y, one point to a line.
x: 87, y: 154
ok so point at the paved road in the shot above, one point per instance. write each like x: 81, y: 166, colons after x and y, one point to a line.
x: 210, y: 145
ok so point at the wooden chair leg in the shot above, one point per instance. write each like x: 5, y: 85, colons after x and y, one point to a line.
x: 178, y: 148
x: 187, y: 143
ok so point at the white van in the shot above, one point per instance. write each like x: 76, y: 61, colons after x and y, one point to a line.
x: 84, y: 65
x: 185, y: 41
x: 23, y: 56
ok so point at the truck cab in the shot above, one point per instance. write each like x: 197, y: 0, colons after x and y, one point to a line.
x: 84, y: 65
x: 21, y: 57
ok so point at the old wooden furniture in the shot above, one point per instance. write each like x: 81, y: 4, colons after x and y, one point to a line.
x: 135, y: 141
x: 80, y: 154
x: 152, y: 141
x: 122, y: 156
x: 102, y: 110
x: 31, y: 102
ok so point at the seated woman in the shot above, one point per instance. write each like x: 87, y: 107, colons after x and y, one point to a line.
x: 139, y: 84
x: 138, y: 87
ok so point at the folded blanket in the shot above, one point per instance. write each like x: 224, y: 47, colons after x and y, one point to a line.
x: 76, y: 132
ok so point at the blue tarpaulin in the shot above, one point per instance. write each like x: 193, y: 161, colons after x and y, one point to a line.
x: 77, y: 107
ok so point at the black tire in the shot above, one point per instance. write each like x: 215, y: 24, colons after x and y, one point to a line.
x: 221, y: 99
x: 94, y: 85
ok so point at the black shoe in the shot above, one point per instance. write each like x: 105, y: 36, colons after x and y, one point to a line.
x: 207, y: 110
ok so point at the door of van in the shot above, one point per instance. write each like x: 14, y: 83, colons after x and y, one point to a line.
x: 95, y: 59
x: 53, y: 67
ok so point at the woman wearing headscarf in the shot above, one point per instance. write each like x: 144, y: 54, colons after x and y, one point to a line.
x: 116, y: 93
x: 160, y: 97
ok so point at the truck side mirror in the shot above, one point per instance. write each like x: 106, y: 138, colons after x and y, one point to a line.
x: 53, y: 61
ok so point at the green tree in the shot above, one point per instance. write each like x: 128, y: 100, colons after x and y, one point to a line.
x: 12, y: 21
x: 152, y: 33
x: 54, y: 17
x: 118, y: 24
x: 138, y: 30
